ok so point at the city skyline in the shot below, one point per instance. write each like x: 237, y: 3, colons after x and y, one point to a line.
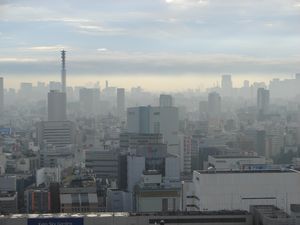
x: 149, y: 112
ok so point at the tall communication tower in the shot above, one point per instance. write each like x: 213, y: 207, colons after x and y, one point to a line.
x: 63, y: 71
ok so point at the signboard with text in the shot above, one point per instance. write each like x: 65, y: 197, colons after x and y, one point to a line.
x: 55, y: 221
x: 5, y: 131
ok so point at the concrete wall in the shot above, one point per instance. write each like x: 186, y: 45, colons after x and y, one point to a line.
x: 229, y: 191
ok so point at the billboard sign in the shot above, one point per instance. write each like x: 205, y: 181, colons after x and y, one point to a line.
x: 55, y: 221
x: 5, y: 131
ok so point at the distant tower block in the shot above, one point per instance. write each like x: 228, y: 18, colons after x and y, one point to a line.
x: 1, y: 94
x: 121, y: 103
x: 57, y: 109
x: 63, y: 71
x: 165, y: 100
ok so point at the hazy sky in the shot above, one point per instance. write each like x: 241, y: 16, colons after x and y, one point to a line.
x: 165, y: 38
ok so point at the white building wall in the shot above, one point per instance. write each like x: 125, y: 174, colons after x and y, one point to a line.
x: 135, y: 168
x: 172, y: 168
x: 230, y: 191
x: 47, y: 175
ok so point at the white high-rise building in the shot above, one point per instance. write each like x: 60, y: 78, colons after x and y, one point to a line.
x: 121, y: 103
x: 57, y: 106
x: 163, y: 120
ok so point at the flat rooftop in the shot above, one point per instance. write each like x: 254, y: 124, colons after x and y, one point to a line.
x: 235, y: 157
x: 247, y: 171
x: 271, y: 211
x: 127, y: 214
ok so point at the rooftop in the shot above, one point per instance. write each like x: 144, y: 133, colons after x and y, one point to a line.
x: 126, y: 214
x: 271, y: 211
x: 235, y: 157
x: 248, y: 171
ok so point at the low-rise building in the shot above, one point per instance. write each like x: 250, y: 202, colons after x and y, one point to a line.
x: 270, y: 215
x: 155, y: 194
x: 37, y: 201
x: 118, y: 201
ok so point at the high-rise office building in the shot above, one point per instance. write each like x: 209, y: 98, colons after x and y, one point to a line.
x: 57, y: 109
x: 214, y: 110
x: 226, y: 82
x: 25, y: 91
x: 165, y: 100
x: 121, y: 102
x: 1, y: 94
x: 226, y: 85
x: 163, y: 120
x: 214, y: 104
x: 89, y: 100
x: 263, y: 100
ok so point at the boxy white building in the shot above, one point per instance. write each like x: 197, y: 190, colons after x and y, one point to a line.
x: 230, y: 190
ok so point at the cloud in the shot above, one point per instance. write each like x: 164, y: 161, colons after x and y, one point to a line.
x: 17, y: 60
x: 188, y: 2
x: 102, y: 49
x: 172, y: 36
x: 52, y: 48
x: 160, y: 64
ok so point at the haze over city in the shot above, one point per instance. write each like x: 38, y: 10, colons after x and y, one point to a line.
x: 169, y: 112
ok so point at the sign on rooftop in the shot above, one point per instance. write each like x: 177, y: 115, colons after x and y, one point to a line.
x: 55, y: 221
x: 5, y: 131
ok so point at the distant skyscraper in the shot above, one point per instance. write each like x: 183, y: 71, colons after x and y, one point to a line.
x: 57, y: 109
x: 246, y: 84
x: 214, y: 109
x: 165, y: 101
x: 121, y: 102
x: 203, y: 110
x: 1, y: 94
x: 25, y: 90
x: 89, y: 100
x: 227, y: 84
x: 63, y: 71
x: 214, y: 104
x: 263, y: 100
